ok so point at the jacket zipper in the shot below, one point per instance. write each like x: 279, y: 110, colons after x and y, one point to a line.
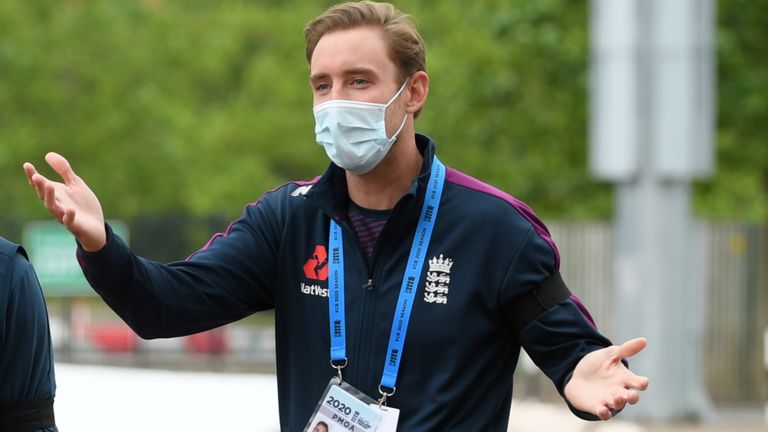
x: 360, y: 358
x: 354, y: 351
x: 364, y: 375
x: 368, y: 285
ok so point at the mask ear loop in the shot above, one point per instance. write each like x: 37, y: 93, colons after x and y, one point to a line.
x: 402, y: 125
x: 400, y: 129
x: 402, y: 87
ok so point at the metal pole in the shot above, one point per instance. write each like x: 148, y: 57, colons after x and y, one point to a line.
x: 651, y: 134
x: 765, y: 365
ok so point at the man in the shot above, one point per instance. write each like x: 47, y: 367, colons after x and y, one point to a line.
x: 418, y: 283
x: 27, y: 381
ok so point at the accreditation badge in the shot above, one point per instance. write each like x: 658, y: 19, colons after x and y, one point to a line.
x: 389, y: 417
x: 344, y: 408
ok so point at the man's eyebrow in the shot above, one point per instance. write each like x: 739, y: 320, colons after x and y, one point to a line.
x: 360, y: 71
x: 348, y: 72
x: 318, y: 76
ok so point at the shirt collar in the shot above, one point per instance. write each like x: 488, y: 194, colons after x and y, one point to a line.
x: 331, y: 195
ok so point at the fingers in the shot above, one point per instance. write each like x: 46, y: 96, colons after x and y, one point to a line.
x: 62, y: 167
x: 622, y: 397
x: 632, y: 397
x: 50, y: 201
x: 604, y: 413
x: 30, y: 171
x: 39, y: 182
x: 68, y: 218
x: 632, y: 347
x: 617, y: 403
x: 637, y: 382
x: 34, y: 179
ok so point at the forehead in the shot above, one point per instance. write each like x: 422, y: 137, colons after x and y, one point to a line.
x: 352, y: 49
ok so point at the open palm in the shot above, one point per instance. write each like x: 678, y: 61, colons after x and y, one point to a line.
x: 71, y: 202
x: 602, y: 385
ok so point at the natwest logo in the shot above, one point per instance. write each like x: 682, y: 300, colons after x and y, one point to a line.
x: 314, y: 289
x: 316, y: 268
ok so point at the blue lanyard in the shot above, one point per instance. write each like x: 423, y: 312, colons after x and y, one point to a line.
x: 407, y: 292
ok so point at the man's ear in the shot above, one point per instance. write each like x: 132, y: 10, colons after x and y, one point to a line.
x: 418, y: 88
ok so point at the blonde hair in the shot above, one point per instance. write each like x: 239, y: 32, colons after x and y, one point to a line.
x: 406, y: 47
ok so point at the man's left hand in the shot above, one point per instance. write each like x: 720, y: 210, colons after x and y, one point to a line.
x: 602, y: 385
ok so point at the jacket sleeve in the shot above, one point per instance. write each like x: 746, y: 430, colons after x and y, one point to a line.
x: 26, y: 362
x: 230, y: 278
x: 559, y: 337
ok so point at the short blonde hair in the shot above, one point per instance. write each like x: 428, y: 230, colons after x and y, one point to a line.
x: 406, y: 47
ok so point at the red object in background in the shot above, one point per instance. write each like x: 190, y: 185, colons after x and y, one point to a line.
x: 209, y: 342
x: 113, y: 337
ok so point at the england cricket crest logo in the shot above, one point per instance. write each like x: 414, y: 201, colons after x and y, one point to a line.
x: 438, y: 280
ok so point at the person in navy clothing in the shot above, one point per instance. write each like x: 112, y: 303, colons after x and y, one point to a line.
x: 478, y: 283
x: 27, y: 380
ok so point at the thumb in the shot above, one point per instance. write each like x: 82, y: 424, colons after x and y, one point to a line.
x: 632, y: 347
x: 62, y: 167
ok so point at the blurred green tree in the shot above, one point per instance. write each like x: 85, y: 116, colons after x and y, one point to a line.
x: 168, y: 106
x: 739, y: 189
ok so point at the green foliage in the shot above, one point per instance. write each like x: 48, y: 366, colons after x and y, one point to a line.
x: 194, y: 106
x: 160, y: 106
x: 739, y: 189
x: 508, y: 99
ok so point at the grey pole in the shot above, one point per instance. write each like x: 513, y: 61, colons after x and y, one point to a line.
x: 651, y: 133
x: 765, y: 365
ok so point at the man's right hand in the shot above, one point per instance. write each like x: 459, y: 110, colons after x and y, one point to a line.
x: 72, y: 202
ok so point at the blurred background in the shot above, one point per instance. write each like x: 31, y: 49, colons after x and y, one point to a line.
x: 178, y: 113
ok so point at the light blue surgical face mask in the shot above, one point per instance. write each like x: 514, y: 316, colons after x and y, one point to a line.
x: 354, y: 134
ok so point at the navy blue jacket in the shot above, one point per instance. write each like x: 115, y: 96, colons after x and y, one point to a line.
x: 461, y: 349
x: 26, y: 357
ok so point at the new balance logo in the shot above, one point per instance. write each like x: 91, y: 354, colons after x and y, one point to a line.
x: 302, y: 190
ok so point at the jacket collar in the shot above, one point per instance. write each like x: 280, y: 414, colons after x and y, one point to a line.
x: 330, y: 191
